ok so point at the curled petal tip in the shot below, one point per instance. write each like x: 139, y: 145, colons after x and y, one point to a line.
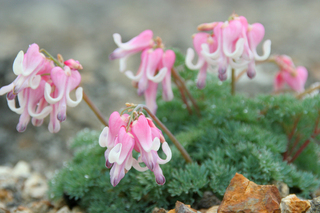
x: 21, y: 128
x: 61, y: 117
x: 160, y: 180
x: 11, y: 95
x: 108, y: 164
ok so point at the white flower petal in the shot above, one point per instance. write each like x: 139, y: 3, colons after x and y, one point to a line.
x: 166, y: 149
x: 136, y: 165
x: 114, y: 154
x: 189, y: 58
x: 79, y: 96
x: 104, y: 137
x: 130, y: 75
x: 237, y: 52
x: 18, y: 63
x: 266, y: 51
x: 159, y: 77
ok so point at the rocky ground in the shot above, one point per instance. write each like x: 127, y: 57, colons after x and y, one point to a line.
x: 83, y: 30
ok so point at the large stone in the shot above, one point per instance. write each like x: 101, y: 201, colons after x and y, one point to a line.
x: 245, y: 196
x: 292, y: 204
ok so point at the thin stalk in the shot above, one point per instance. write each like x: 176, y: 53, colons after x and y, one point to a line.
x: 51, y: 57
x: 193, y: 101
x: 240, y: 74
x: 95, y: 109
x: 290, y: 135
x: 233, y: 81
x: 183, y: 152
x: 183, y: 96
x: 294, y: 145
x: 307, y: 91
x: 306, y: 143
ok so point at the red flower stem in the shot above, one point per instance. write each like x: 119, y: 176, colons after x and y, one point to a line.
x: 233, y: 81
x: 305, y: 144
x: 95, y: 109
x: 183, y: 85
x: 294, y: 145
x: 183, y: 152
x: 183, y: 96
x: 295, y: 124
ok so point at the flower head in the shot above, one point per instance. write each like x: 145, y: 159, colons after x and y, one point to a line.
x: 155, y: 66
x: 231, y: 45
x: 42, y: 88
x: 125, y: 135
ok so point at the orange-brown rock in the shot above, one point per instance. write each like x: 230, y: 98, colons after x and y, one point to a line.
x: 292, y: 204
x: 245, y: 196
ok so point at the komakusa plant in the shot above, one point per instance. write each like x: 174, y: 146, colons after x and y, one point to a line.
x: 259, y: 137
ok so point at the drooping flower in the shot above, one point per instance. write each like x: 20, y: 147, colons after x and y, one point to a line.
x: 231, y: 46
x: 142, y: 41
x: 64, y: 80
x: 28, y: 101
x: 295, y: 78
x: 28, y: 67
x: 42, y: 89
x: 141, y: 135
x: 121, y: 156
x: 155, y: 66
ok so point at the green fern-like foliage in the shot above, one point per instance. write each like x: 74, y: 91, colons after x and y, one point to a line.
x: 234, y: 134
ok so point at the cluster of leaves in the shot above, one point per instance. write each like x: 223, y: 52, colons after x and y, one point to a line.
x: 234, y: 134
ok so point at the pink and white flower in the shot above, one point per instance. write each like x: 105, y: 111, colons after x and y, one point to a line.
x: 142, y: 41
x: 122, y: 137
x: 155, y: 66
x: 42, y: 89
x: 231, y: 46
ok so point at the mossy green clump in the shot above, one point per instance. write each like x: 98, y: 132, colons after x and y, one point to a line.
x: 234, y: 134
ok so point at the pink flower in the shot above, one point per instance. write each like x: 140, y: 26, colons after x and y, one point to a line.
x: 42, y: 89
x: 29, y: 100
x: 142, y: 136
x: 121, y: 156
x: 28, y: 67
x: 64, y: 80
x: 294, y: 77
x: 137, y: 44
x: 155, y: 66
x: 232, y: 45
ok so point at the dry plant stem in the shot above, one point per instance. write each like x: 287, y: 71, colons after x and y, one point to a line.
x: 183, y: 152
x: 95, y: 109
x: 290, y: 135
x: 183, y: 96
x: 307, y: 91
x: 240, y: 75
x: 305, y: 144
x: 233, y: 81
x: 180, y: 80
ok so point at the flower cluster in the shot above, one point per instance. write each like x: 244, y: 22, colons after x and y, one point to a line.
x: 294, y: 77
x: 125, y: 135
x: 155, y: 67
x: 42, y: 89
x: 231, y: 45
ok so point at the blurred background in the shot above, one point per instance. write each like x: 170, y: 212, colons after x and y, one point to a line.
x: 83, y: 30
